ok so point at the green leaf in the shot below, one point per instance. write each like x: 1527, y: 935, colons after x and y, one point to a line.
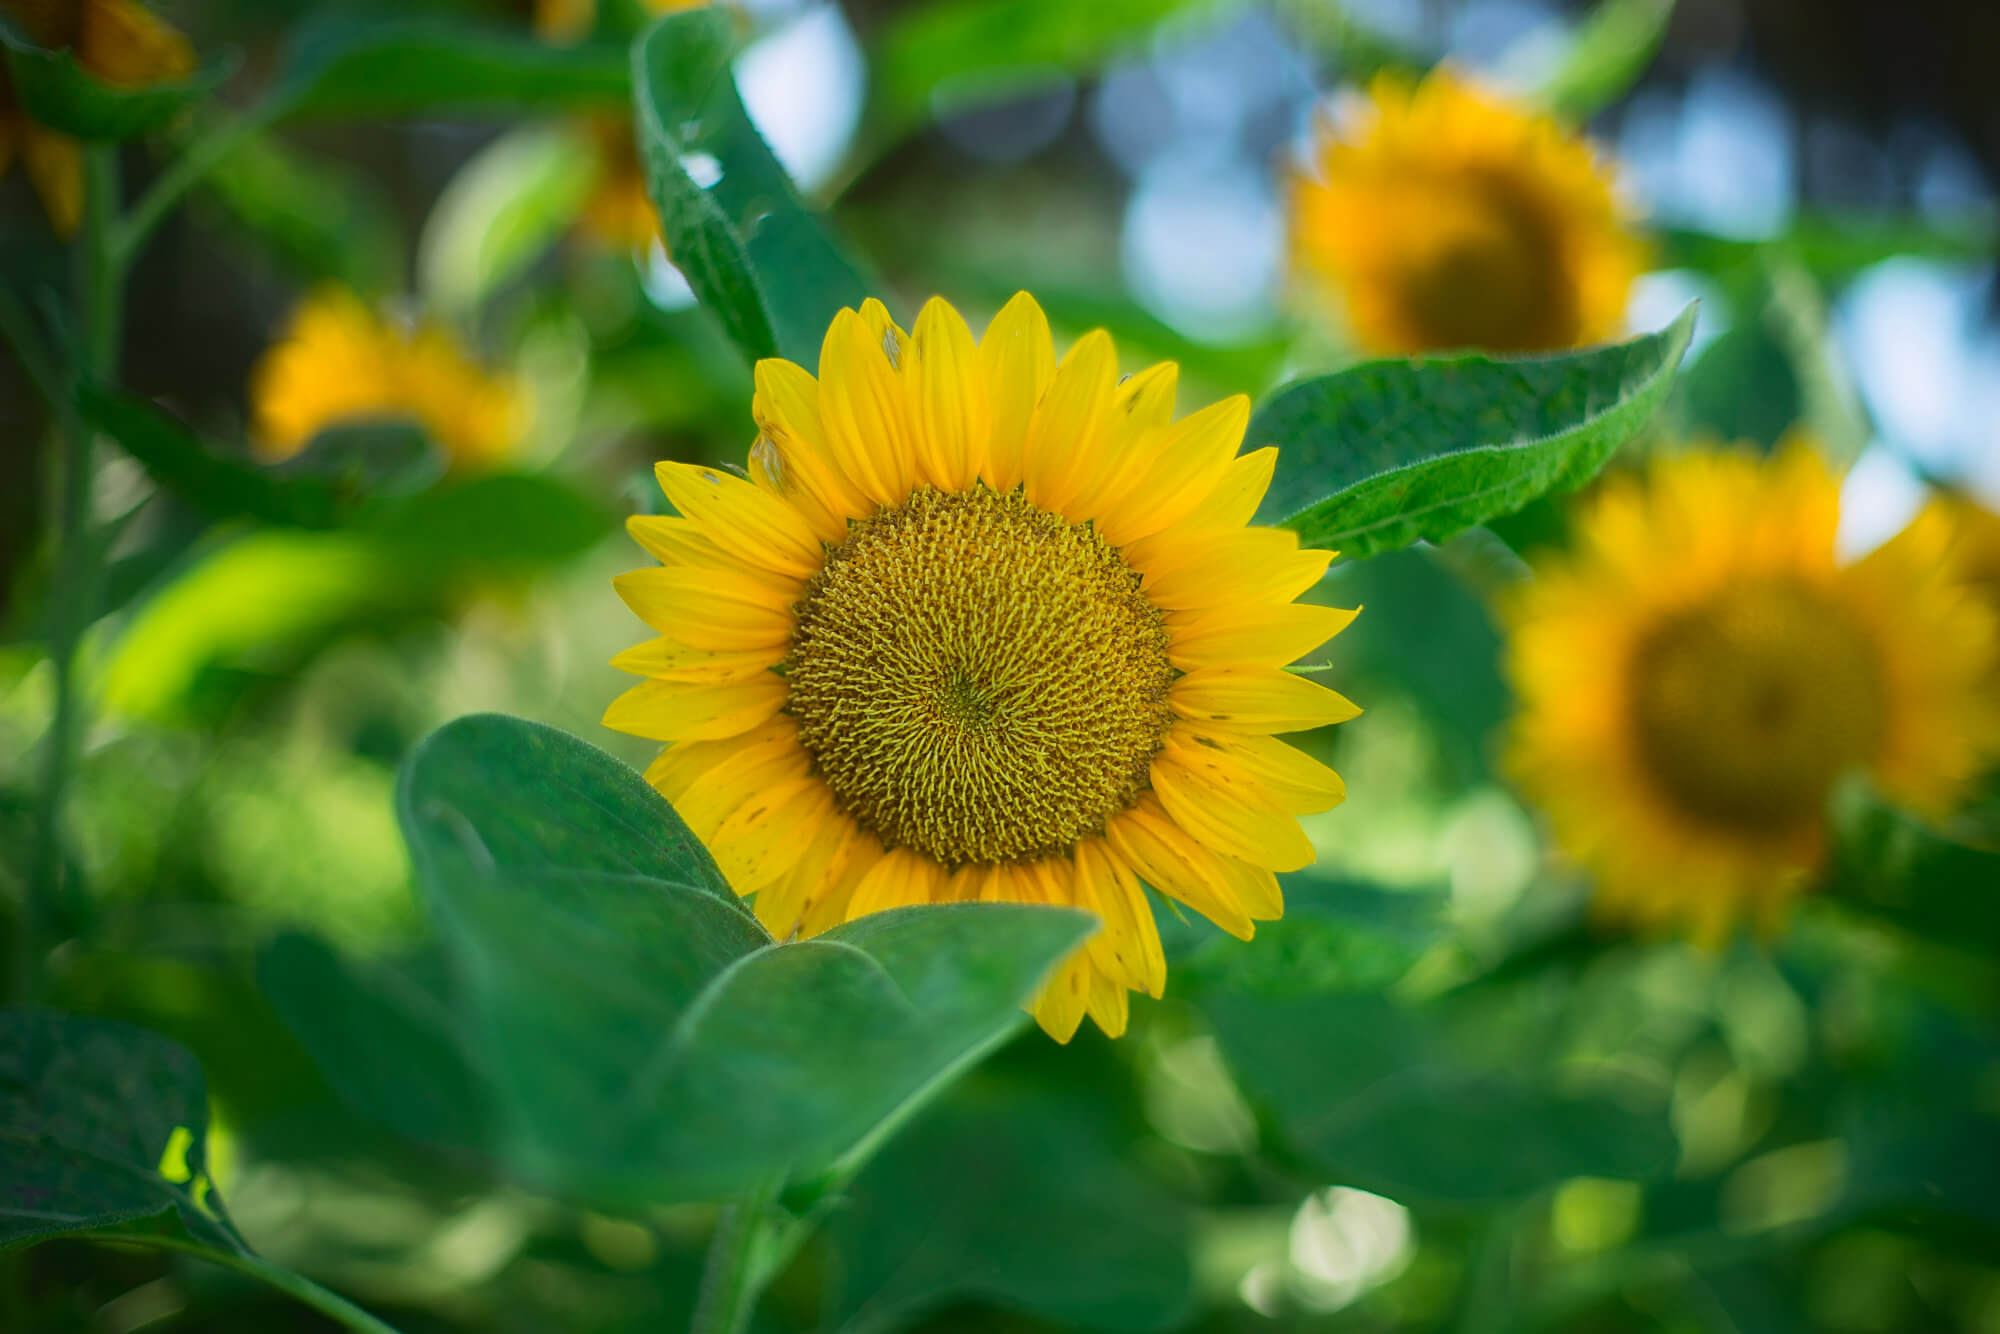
x: 1392, y: 452
x: 643, y: 1037
x: 321, y: 218
x: 972, y: 46
x: 1336, y: 935
x: 1892, y: 866
x: 502, y: 521
x: 386, y: 1036
x: 356, y: 68
x: 55, y: 91
x: 1020, y: 1197
x: 1369, y: 1091
x: 102, y: 1126
x: 1608, y: 52
x: 321, y: 487
x: 758, y: 259
x: 503, y: 208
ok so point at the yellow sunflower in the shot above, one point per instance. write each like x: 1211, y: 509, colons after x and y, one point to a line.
x: 116, y: 42
x: 339, y: 362
x: 1695, y: 679
x: 1450, y: 218
x: 982, y: 626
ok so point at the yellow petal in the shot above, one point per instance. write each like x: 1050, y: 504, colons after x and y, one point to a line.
x: 1227, y: 569
x: 760, y: 840
x: 1109, y: 1003
x: 1295, y: 780
x: 669, y: 660
x: 790, y: 457
x: 863, y: 410
x: 1257, y: 699
x: 948, y: 398
x: 901, y: 879
x: 673, y: 541
x: 706, y: 780
x: 126, y: 45
x: 722, y: 610
x: 1175, y: 864
x: 1236, y: 497
x: 54, y: 164
x: 1060, y: 1006
x: 826, y: 903
x: 1182, y: 469
x: 1130, y: 935
x: 1018, y: 358
x: 748, y: 523
x: 671, y: 711
x: 783, y: 905
x: 1063, y: 442
x: 1256, y: 634
x: 1215, y: 800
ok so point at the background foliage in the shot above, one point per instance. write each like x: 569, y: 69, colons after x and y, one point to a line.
x: 455, y: 1026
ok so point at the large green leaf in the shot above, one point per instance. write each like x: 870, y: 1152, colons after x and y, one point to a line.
x: 1017, y: 1196
x: 1891, y: 865
x: 354, y: 67
x: 1370, y: 1091
x: 102, y: 1125
x: 55, y: 91
x: 757, y: 258
x: 500, y: 521
x: 637, y: 1034
x: 1392, y: 452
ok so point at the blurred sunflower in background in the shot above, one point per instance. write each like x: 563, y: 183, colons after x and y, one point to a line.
x: 1698, y: 676
x: 1439, y: 216
x: 114, y: 41
x: 339, y: 362
x: 981, y: 626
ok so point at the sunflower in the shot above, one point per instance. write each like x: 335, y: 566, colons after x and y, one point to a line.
x: 1696, y: 678
x: 116, y: 42
x: 1449, y: 219
x: 982, y: 626
x: 338, y: 363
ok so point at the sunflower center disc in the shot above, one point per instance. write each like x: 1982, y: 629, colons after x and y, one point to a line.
x: 1491, y: 272
x: 979, y: 679
x: 1749, y: 708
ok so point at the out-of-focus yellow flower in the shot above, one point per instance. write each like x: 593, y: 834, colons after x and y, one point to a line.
x: 1449, y: 218
x: 1697, y: 677
x: 982, y: 626
x: 569, y: 20
x: 339, y: 362
x: 116, y: 42
x: 619, y: 212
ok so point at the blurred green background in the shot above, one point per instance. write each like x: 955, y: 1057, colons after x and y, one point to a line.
x: 1431, y: 1098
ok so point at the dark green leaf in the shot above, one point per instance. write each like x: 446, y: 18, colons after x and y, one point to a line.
x: 1742, y: 387
x: 761, y: 263
x: 387, y: 1037
x: 1892, y: 866
x: 321, y: 218
x: 324, y: 485
x: 56, y: 92
x: 354, y: 68
x: 1368, y: 1091
x: 102, y: 1125
x: 1336, y: 935
x: 1018, y: 1197
x: 1392, y: 452
x: 501, y: 521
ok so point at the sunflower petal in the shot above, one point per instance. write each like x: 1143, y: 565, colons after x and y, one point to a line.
x: 1258, y: 700
x: 948, y: 398
x: 1216, y: 801
x: 1176, y: 864
x: 722, y: 610
x: 748, y: 523
x: 1019, y: 360
x: 672, y: 711
x: 1256, y: 635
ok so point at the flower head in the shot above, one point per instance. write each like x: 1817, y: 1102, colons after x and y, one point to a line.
x: 1449, y: 218
x: 116, y: 42
x: 339, y: 362
x: 982, y: 626
x: 1695, y: 680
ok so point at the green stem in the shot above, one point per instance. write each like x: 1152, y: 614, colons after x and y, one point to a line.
x: 733, y: 1277
x: 100, y: 289
x: 18, y: 328
x: 329, y: 1304
x: 188, y: 170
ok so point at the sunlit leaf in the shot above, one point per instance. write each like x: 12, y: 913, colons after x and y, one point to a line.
x: 1607, y: 53
x: 1391, y: 452
x: 760, y: 262
x: 57, y: 93
x: 1038, y: 1211
x: 505, y: 206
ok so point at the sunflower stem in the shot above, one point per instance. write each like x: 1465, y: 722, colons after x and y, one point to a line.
x: 730, y: 1281
x: 75, y: 588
